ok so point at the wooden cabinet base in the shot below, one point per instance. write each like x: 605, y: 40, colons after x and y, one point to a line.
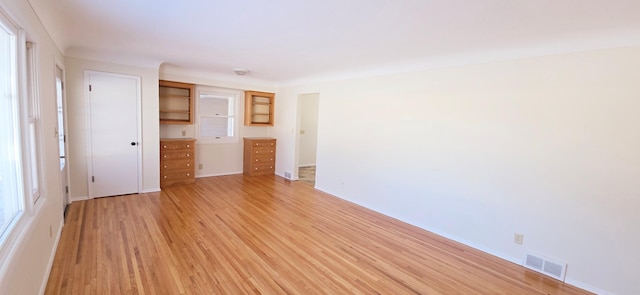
x: 259, y: 156
x: 177, y: 161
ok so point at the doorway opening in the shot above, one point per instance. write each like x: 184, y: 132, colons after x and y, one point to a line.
x: 307, y: 137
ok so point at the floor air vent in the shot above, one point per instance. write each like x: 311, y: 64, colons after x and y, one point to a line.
x: 545, y: 266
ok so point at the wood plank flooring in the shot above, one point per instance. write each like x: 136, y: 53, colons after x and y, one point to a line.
x: 266, y: 235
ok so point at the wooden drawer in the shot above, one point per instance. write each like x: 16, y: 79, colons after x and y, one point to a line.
x: 263, y: 151
x: 174, y: 155
x: 264, y: 143
x: 176, y: 165
x: 262, y: 159
x: 176, y: 177
x: 175, y: 145
x: 263, y: 169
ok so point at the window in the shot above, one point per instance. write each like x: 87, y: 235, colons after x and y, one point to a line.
x: 33, y: 125
x: 11, y: 193
x: 217, y: 114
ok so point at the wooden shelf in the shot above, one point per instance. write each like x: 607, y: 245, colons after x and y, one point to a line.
x: 258, y: 108
x: 176, y: 96
x: 176, y: 102
x: 175, y: 111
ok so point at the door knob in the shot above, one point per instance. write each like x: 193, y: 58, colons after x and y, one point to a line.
x: 133, y: 143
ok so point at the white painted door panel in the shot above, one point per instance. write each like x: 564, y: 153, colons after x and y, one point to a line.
x: 114, y: 132
x: 62, y: 138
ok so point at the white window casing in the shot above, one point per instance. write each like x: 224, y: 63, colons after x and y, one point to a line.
x: 217, y: 115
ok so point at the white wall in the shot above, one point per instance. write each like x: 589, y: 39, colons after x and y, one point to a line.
x: 308, y: 129
x: 216, y: 159
x: 545, y: 146
x: 27, y: 268
x: 77, y: 122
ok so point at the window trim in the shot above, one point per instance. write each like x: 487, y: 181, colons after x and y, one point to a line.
x: 234, y: 96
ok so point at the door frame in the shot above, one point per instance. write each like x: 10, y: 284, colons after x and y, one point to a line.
x: 138, y: 79
x: 66, y: 198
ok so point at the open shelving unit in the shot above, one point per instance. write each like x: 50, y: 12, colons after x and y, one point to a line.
x: 258, y: 108
x: 176, y: 102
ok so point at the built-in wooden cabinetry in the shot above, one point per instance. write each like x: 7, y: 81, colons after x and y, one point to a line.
x: 177, y: 161
x: 259, y: 156
x: 258, y: 108
x: 176, y: 102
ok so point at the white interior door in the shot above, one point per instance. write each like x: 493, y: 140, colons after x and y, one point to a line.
x: 114, y: 134
x: 62, y: 138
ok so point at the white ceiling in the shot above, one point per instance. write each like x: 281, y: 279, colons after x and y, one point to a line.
x: 289, y: 41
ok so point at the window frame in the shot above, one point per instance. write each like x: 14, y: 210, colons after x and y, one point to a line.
x: 13, y: 234
x: 22, y: 224
x: 31, y: 99
x: 233, y: 97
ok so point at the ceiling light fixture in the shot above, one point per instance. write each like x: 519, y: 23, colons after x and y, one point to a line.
x: 240, y: 72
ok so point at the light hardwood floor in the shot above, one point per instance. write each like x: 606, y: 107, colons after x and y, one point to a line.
x: 266, y: 235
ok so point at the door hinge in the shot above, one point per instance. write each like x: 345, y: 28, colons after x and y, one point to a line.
x: 64, y: 138
x: 93, y: 179
x: 89, y: 87
x: 66, y: 189
x: 62, y: 85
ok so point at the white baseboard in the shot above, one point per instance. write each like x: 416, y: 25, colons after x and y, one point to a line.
x: 292, y: 178
x: 306, y: 165
x: 51, y: 259
x: 218, y: 174
x: 79, y: 198
x: 151, y: 190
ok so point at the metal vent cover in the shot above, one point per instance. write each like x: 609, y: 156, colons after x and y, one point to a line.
x: 545, y: 266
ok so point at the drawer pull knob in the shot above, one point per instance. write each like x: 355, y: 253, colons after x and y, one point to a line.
x: 188, y: 146
x: 188, y: 155
x: 188, y: 165
x: 164, y: 147
x: 165, y: 177
x: 164, y: 156
x: 188, y: 174
x: 165, y: 166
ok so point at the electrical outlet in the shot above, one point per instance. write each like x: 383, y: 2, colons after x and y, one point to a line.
x: 200, y: 166
x: 287, y: 175
x: 518, y: 238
